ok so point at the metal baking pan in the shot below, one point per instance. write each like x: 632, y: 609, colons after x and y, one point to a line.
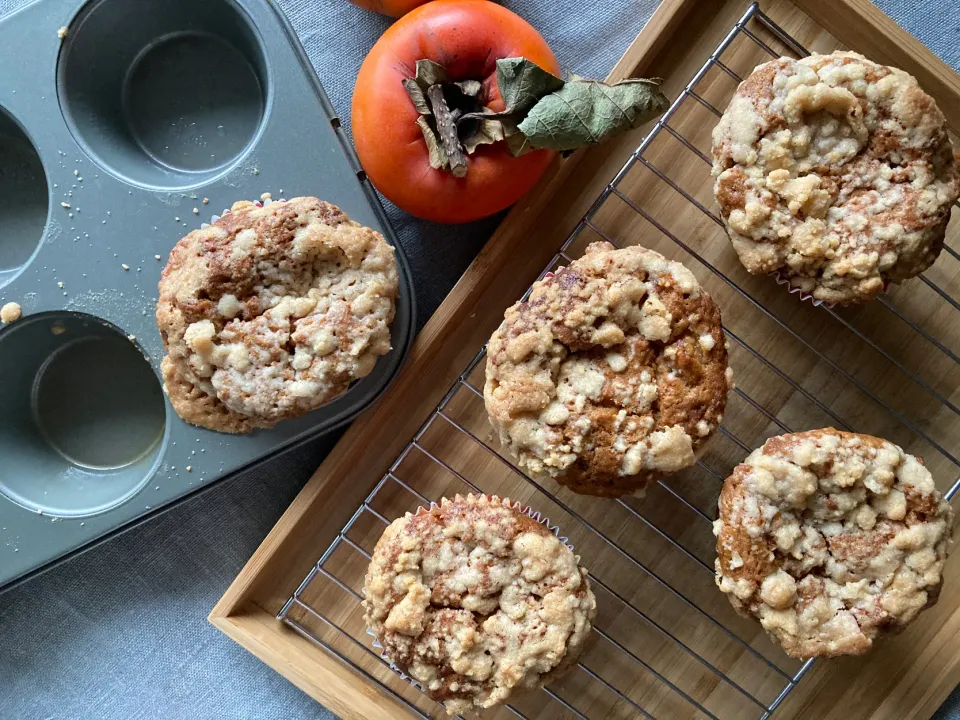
x: 118, y: 135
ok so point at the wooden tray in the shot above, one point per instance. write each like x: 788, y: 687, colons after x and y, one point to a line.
x: 669, y: 643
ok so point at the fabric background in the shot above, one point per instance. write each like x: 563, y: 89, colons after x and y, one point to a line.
x: 121, y: 631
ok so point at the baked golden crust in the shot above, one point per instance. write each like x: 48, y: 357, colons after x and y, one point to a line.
x: 837, y: 173
x: 830, y: 539
x: 199, y: 408
x: 475, y: 600
x: 272, y: 311
x: 611, y: 374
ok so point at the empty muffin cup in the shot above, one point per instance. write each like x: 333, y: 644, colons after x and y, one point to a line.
x: 24, y: 198
x: 82, y: 415
x: 163, y: 93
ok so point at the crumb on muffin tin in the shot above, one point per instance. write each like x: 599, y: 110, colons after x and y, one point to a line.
x: 10, y: 313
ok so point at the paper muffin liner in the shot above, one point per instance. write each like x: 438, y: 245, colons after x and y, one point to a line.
x: 807, y: 297
x: 227, y: 211
x: 802, y: 294
x: 524, y: 509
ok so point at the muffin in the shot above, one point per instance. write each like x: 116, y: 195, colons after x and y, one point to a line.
x: 611, y: 374
x: 836, y: 173
x: 272, y: 311
x: 831, y: 539
x: 476, y: 600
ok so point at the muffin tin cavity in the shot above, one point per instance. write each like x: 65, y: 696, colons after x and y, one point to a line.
x: 119, y: 135
x: 24, y: 198
x: 83, y: 414
x: 165, y: 93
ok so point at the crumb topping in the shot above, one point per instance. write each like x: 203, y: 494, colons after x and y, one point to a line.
x: 836, y: 172
x: 475, y: 599
x: 611, y: 373
x: 830, y: 538
x: 10, y: 312
x: 275, y: 310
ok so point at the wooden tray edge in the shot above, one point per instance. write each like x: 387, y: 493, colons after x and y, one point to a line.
x: 344, y: 692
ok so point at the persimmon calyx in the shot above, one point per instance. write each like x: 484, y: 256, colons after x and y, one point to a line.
x: 442, y: 104
x: 542, y: 111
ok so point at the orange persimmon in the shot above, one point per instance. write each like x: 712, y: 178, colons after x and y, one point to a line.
x: 466, y: 37
x: 393, y: 8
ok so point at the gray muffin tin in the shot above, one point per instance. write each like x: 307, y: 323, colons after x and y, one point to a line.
x: 110, y: 139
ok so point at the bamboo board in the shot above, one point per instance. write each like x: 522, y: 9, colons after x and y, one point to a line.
x: 806, y: 367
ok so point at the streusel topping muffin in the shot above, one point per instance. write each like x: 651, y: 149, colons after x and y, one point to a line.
x: 836, y: 172
x: 830, y: 539
x: 610, y: 374
x: 272, y: 311
x: 475, y: 600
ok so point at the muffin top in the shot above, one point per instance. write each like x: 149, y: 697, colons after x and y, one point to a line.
x: 475, y: 599
x: 829, y: 538
x: 272, y: 311
x: 611, y: 373
x: 835, y: 172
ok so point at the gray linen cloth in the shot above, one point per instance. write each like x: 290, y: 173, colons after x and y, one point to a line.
x: 121, y: 631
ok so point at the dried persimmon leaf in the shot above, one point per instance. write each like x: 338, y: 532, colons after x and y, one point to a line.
x: 470, y: 88
x: 438, y: 157
x: 417, y: 96
x: 523, y: 83
x: 585, y: 112
x: 487, y: 132
x: 430, y: 73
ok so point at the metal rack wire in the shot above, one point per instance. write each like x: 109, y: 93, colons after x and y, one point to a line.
x: 347, y: 642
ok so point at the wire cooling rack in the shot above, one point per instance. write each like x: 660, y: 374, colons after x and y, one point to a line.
x: 667, y: 649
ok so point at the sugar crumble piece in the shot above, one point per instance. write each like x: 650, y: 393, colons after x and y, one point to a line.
x: 196, y: 211
x: 131, y: 338
x: 189, y: 468
x: 10, y: 312
x: 65, y: 205
x: 157, y: 257
x: 206, y: 201
x: 63, y: 32
x: 124, y: 266
x: 266, y: 196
